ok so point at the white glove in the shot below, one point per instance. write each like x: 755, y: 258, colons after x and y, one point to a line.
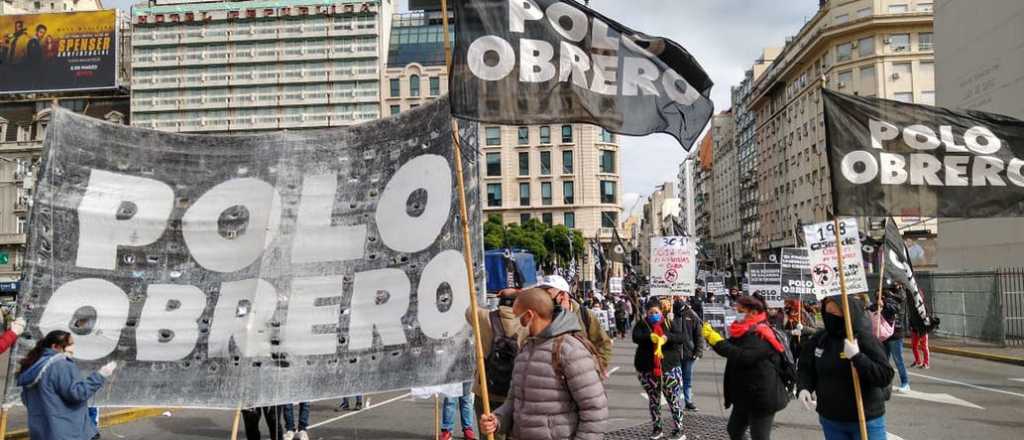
x: 795, y: 332
x: 850, y: 348
x: 108, y: 369
x: 799, y: 326
x: 18, y: 326
x: 808, y: 400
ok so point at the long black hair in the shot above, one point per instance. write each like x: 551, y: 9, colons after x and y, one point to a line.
x: 60, y: 338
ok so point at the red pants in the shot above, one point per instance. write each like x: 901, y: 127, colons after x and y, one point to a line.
x: 919, y: 340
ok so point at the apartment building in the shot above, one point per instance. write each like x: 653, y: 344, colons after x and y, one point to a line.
x: 660, y: 213
x: 703, y: 199
x: 13, y: 7
x: 250, y: 65
x: 725, y: 189
x: 877, y: 48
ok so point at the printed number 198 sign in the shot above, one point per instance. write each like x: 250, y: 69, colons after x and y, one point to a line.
x: 824, y: 260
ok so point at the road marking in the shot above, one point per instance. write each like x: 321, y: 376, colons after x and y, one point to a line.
x: 938, y: 398
x: 328, y: 421
x: 1017, y: 380
x: 612, y: 371
x: 891, y: 436
x: 968, y: 385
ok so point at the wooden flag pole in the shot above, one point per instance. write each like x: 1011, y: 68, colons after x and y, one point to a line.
x: 3, y: 423
x: 881, y: 280
x: 437, y: 418
x: 847, y: 319
x: 467, y: 244
x: 234, y: 425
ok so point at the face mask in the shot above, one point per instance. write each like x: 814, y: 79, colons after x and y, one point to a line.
x: 834, y: 325
x: 655, y: 318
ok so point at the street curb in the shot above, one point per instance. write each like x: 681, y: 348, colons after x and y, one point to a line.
x: 979, y: 355
x: 111, y: 418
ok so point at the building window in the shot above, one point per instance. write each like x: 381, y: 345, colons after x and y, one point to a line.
x: 898, y: 9
x: 396, y: 109
x: 866, y: 47
x: 566, y: 134
x: 925, y: 7
x: 607, y: 161
x: 866, y: 12
x: 608, y: 191
x: 609, y: 219
x: 396, y: 88
x: 868, y: 81
x: 926, y: 70
x: 493, y: 164
x: 524, y: 194
x: 567, y: 162
x: 568, y: 193
x: 545, y: 135
x: 546, y: 218
x: 569, y: 219
x: 845, y: 79
x: 607, y: 136
x: 545, y: 193
x: 899, y: 42
x: 900, y: 71
x: 842, y: 18
x: 524, y: 217
x: 524, y: 135
x: 493, y: 135
x: 545, y: 163
x: 414, y: 85
x: 493, y: 194
x: 924, y: 41
x: 524, y: 164
x: 928, y: 97
x: 435, y: 86
x: 844, y: 52
x: 907, y: 97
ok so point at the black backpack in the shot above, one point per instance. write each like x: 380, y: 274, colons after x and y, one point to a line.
x: 787, y: 362
x: 502, y: 359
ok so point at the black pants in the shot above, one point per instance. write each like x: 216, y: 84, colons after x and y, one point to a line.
x: 251, y: 419
x: 760, y: 424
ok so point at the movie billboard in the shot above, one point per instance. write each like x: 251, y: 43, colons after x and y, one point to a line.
x: 58, y: 52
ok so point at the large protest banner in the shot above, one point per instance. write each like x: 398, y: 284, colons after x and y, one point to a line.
x: 553, y: 61
x: 893, y: 158
x: 255, y: 269
x: 673, y: 266
x: 824, y: 259
x: 796, y: 273
x: 765, y: 281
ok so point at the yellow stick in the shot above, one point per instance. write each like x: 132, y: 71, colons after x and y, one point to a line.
x: 467, y: 246
x: 234, y: 425
x: 437, y: 418
x: 849, y: 329
x: 3, y: 423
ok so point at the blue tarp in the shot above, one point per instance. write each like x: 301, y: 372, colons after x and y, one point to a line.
x: 497, y: 271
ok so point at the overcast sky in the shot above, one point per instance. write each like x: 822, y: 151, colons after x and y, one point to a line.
x: 724, y: 35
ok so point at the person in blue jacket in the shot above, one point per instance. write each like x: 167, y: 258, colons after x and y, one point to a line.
x: 54, y: 392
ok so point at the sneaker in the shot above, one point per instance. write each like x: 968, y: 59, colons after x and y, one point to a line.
x: 691, y: 407
x: 656, y: 435
x: 468, y: 434
x: 303, y: 435
x: 446, y: 435
x: 343, y: 407
x: 903, y: 389
x: 288, y: 435
x: 914, y: 365
x: 926, y: 367
x: 677, y: 435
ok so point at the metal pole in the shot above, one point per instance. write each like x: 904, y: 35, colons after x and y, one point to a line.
x: 847, y: 319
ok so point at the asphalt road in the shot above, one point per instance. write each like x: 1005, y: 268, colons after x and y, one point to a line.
x: 958, y: 398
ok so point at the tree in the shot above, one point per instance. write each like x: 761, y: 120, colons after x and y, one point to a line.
x: 550, y: 245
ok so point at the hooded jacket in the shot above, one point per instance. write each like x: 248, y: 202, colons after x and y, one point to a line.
x: 509, y: 324
x: 752, y: 379
x: 643, y: 358
x: 56, y: 398
x: 824, y: 370
x: 544, y: 404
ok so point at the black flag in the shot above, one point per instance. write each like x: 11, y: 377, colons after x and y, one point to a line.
x: 892, y: 158
x: 529, y: 62
x: 899, y: 268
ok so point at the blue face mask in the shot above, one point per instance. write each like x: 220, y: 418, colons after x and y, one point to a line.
x: 654, y: 319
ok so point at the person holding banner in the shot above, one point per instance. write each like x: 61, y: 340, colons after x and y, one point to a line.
x: 798, y: 323
x: 54, y: 392
x: 501, y: 337
x: 753, y: 384
x: 824, y: 372
x: 658, y: 363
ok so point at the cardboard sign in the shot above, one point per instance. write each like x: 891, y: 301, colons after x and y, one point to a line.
x: 765, y: 281
x: 796, y: 274
x: 673, y: 266
x: 824, y: 260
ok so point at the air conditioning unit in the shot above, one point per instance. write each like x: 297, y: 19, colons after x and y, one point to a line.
x: 842, y: 84
x: 252, y: 97
x: 887, y: 40
x: 202, y: 56
x: 855, y: 44
x: 302, y: 118
x: 202, y: 122
x: 202, y: 99
x: 252, y: 120
x: 895, y: 76
x: 153, y: 57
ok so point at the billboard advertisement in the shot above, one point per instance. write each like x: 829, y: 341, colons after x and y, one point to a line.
x: 58, y: 51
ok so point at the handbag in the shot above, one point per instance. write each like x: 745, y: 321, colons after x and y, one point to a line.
x: 882, y: 328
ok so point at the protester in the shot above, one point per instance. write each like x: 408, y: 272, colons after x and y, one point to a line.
x: 501, y: 336
x: 251, y: 420
x: 464, y: 405
x: 799, y: 324
x: 734, y: 295
x: 692, y: 349
x: 753, y: 386
x: 558, y: 288
x: 10, y: 336
x: 620, y: 321
x: 917, y: 317
x: 825, y: 372
x: 54, y: 392
x: 893, y: 311
x: 602, y: 318
x: 291, y: 430
x: 697, y: 303
x: 658, y: 363
x: 566, y: 397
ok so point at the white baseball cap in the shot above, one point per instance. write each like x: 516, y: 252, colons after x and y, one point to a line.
x: 553, y: 281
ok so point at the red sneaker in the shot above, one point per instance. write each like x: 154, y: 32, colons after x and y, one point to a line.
x: 446, y: 435
x: 468, y: 434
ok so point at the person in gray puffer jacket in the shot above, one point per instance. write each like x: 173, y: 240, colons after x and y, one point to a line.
x: 556, y: 391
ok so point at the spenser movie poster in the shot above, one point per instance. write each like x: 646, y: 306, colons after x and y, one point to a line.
x: 58, y: 52
x: 254, y: 269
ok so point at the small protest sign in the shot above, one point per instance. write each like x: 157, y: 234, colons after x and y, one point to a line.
x: 824, y: 260
x: 765, y: 280
x: 673, y: 266
x: 796, y: 274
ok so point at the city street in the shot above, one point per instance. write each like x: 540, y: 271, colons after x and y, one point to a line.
x: 958, y: 398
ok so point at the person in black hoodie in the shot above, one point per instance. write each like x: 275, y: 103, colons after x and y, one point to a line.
x: 753, y: 386
x: 658, y: 363
x: 825, y: 371
x: 693, y: 347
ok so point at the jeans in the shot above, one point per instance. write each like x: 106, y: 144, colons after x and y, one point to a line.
x: 851, y: 430
x: 688, y: 380
x: 895, y: 348
x: 760, y: 424
x: 289, y: 417
x: 94, y: 415
x: 465, y: 406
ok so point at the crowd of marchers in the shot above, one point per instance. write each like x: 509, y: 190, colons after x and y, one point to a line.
x: 546, y: 357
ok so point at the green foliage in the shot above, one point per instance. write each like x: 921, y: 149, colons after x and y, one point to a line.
x: 550, y: 245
